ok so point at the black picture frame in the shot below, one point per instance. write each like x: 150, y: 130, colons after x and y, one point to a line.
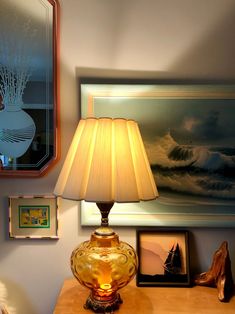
x: 163, y: 257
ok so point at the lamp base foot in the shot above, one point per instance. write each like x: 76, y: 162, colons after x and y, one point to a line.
x: 103, y: 307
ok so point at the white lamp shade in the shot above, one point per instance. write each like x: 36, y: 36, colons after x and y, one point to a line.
x: 106, y: 162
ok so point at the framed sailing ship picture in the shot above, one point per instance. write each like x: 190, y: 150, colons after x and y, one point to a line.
x: 163, y: 258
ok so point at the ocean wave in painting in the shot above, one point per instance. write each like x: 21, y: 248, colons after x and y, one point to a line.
x: 195, y: 170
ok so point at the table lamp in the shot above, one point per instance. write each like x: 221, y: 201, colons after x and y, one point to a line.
x: 106, y: 163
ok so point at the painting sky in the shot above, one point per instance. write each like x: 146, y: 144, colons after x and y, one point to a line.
x: 193, y: 121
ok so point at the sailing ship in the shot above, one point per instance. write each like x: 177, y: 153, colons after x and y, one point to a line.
x: 173, y: 264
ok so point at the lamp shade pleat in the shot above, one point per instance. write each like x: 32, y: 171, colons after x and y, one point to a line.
x: 143, y: 173
x: 124, y: 177
x: 106, y: 162
x: 99, y: 187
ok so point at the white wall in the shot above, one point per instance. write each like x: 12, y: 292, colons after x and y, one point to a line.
x: 162, y: 39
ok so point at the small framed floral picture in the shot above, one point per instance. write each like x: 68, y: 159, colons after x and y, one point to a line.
x: 33, y: 217
x: 163, y: 258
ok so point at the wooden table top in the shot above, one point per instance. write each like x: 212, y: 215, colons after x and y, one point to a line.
x: 148, y: 300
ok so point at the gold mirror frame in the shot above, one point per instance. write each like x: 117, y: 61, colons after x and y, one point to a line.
x: 45, y: 114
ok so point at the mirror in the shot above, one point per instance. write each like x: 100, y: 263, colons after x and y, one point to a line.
x: 29, y: 129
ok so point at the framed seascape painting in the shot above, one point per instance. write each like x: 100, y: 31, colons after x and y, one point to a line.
x: 189, y: 136
x: 33, y: 217
x: 163, y: 258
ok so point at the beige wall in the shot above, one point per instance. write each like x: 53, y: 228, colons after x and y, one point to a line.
x: 162, y: 39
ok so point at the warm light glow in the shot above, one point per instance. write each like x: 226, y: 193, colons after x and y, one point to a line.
x: 106, y: 162
x: 105, y: 286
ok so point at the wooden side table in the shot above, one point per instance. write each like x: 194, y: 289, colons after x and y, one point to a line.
x: 146, y: 300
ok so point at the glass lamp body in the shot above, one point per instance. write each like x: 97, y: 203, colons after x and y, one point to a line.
x: 104, y: 265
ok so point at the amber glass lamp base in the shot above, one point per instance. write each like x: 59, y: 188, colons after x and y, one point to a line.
x: 104, y: 265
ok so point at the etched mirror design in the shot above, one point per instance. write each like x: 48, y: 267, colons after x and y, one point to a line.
x: 29, y: 137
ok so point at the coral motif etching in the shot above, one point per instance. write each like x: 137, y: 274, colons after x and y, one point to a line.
x: 17, y: 128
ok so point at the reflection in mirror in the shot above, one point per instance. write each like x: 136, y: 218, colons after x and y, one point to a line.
x: 28, y: 86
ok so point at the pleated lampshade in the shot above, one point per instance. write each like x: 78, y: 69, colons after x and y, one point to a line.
x: 106, y: 162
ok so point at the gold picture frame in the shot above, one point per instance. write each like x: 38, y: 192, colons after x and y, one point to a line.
x: 33, y: 217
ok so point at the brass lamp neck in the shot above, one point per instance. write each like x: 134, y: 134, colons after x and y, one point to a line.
x: 104, y: 229
x: 104, y: 211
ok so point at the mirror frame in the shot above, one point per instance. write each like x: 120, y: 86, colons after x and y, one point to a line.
x: 56, y: 105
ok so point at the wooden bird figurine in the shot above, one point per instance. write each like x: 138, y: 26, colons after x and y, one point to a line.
x: 220, y: 274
